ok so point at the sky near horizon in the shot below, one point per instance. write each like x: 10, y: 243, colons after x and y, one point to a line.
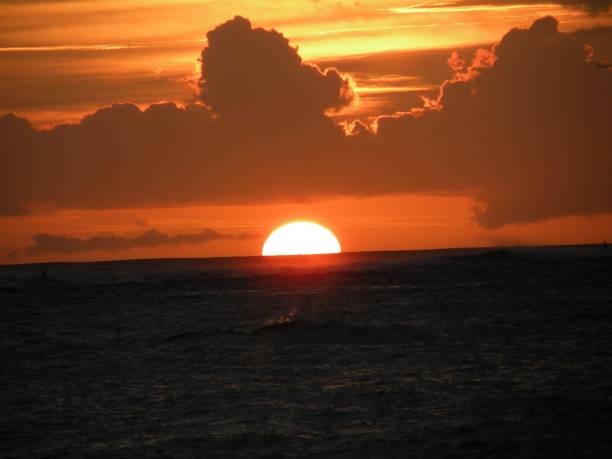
x: 425, y: 125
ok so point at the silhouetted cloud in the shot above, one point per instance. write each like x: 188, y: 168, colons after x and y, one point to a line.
x: 523, y: 128
x: 599, y: 39
x: 592, y: 6
x: 249, y: 73
x: 49, y: 243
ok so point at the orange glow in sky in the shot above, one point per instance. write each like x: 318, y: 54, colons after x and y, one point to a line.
x: 147, y: 51
x: 63, y: 60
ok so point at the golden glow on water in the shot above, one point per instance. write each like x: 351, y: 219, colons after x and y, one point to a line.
x: 301, y: 238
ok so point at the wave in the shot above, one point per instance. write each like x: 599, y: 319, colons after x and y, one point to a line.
x: 261, y: 270
x: 291, y: 329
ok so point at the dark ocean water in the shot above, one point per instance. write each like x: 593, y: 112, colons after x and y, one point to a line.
x: 464, y: 353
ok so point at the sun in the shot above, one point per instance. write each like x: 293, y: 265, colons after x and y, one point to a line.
x: 300, y: 238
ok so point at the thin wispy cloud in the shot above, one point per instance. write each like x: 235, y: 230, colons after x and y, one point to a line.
x: 592, y: 6
x: 62, y: 244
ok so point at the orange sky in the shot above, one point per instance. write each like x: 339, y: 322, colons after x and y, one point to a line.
x: 60, y: 60
x: 380, y: 223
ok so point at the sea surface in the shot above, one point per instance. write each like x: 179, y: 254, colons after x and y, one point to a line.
x: 497, y: 353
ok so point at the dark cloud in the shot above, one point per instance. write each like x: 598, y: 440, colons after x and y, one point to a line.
x: 49, y: 243
x: 249, y: 73
x: 267, y: 140
x: 599, y: 39
x: 591, y: 6
x: 523, y: 128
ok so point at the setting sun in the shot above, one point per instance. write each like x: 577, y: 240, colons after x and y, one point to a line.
x: 301, y: 238
x: 258, y: 221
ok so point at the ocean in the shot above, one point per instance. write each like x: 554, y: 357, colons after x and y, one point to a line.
x: 465, y: 353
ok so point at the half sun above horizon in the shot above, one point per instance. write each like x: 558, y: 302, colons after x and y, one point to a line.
x: 301, y: 238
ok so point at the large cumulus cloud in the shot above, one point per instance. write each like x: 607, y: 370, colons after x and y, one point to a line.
x: 252, y: 73
x: 523, y: 128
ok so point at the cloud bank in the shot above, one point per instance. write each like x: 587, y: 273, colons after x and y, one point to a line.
x: 522, y: 127
x: 49, y: 243
x: 591, y: 6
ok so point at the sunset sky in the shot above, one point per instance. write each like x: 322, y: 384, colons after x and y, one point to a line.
x: 192, y: 128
